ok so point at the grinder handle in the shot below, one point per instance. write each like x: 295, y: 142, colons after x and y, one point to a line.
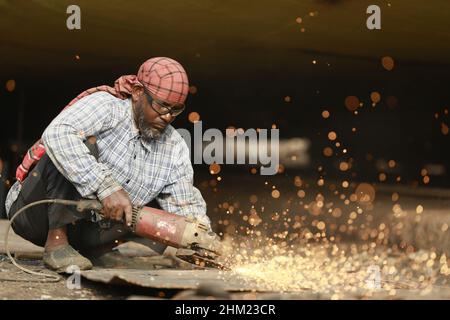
x: 89, y: 205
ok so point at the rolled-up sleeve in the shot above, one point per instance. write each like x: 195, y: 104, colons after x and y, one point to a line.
x: 180, y: 196
x: 64, y: 142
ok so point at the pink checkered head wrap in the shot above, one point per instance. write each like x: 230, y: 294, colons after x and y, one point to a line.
x: 165, y: 78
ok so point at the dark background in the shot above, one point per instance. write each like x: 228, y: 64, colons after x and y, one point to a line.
x: 244, y: 58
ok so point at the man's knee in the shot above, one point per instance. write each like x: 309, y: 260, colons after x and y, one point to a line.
x: 31, y: 224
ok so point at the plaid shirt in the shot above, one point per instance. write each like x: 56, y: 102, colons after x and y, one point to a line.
x: 160, y: 168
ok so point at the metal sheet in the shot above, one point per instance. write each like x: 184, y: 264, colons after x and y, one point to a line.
x: 170, y: 279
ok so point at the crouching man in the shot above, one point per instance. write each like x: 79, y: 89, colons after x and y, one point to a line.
x: 113, y: 144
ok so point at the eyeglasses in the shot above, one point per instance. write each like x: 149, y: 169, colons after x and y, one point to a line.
x: 163, y: 107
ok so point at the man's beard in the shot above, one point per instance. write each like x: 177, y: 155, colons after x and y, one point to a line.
x: 146, y: 130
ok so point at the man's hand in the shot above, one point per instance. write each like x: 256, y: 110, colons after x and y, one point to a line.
x: 115, y: 205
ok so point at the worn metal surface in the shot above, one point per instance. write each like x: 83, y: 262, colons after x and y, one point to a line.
x: 193, y: 280
x: 169, y: 279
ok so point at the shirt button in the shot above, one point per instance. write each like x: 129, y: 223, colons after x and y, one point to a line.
x: 128, y: 181
x: 134, y: 157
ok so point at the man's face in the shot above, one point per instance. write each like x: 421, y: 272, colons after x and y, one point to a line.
x: 150, y: 123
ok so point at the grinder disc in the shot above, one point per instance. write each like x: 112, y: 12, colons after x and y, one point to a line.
x: 201, y: 258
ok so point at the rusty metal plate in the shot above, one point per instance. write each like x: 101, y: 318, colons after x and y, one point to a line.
x: 169, y: 278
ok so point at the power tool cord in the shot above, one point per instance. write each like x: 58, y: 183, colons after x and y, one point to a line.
x: 46, y: 277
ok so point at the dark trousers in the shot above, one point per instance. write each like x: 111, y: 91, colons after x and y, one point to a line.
x: 46, y: 182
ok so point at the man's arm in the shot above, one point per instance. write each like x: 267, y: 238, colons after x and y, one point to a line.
x: 180, y: 196
x: 64, y: 143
